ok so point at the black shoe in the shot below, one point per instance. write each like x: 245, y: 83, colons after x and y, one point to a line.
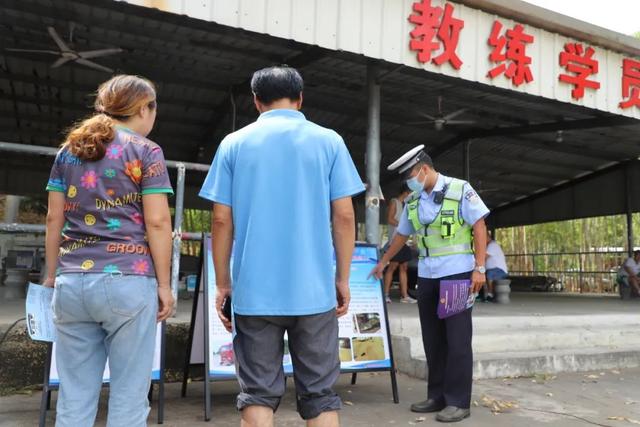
x: 429, y: 405
x: 453, y: 414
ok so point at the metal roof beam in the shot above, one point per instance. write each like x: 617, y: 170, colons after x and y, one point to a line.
x: 555, y: 163
x: 479, y: 134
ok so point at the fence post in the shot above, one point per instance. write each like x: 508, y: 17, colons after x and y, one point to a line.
x: 177, y: 234
x: 580, y: 273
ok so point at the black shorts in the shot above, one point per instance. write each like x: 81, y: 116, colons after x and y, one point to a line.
x: 313, y: 345
x: 403, y: 255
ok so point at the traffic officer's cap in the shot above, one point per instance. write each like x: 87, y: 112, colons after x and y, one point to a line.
x: 409, y: 160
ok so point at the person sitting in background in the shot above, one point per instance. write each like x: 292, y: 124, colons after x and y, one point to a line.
x: 401, y: 260
x: 628, y: 274
x: 496, y: 266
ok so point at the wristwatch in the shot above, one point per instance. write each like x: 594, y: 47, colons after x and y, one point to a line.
x: 480, y: 269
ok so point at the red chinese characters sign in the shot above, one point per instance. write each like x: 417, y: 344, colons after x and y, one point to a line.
x: 436, y: 35
x: 509, y: 52
x: 630, y: 83
x: 430, y: 22
x: 581, y: 64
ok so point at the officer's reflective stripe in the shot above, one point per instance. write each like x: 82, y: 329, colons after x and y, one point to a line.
x: 453, y: 249
x: 455, y: 189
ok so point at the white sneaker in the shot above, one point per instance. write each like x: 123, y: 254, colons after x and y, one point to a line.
x: 387, y: 299
x: 408, y: 300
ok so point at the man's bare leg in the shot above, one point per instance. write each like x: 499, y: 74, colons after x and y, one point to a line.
x: 404, y: 281
x: 325, y: 419
x: 388, y: 276
x: 257, y: 416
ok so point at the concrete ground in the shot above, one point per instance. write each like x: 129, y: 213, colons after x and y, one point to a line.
x: 586, y: 399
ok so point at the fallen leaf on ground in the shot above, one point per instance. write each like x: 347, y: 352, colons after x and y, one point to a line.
x: 549, y: 394
x: 348, y: 403
x: 615, y: 371
x: 497, y: 406
x: 615, y: 418
x: 632, y: 421
x: 592, y: 377
x: 542, y: 378
x: 420, y: 419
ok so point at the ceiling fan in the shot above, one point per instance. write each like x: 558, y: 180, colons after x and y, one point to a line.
x: 441, y: 119
x: 67, y: 54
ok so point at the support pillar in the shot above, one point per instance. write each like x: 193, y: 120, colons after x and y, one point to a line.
x: 465, y: 160
x: 629, y: 208
x: 11, y: 208
x: 177, y: 235
x: 372, y: 200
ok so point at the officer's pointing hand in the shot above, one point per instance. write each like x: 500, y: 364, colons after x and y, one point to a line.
x: 378, y: 271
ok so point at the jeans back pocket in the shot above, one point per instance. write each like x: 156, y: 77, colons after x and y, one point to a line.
x: 127, y: 295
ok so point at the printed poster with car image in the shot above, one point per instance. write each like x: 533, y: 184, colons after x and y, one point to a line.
x: 364, y: 341
x: 221, y: 356
x: 363, y: 337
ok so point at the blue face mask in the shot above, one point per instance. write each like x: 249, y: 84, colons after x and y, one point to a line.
x: 416, y: 185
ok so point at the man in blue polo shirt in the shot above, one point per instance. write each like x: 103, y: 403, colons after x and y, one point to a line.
x: 281, y: 189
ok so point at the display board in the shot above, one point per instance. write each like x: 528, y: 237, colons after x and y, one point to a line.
x: 54, y: 379
x: 364, y: 337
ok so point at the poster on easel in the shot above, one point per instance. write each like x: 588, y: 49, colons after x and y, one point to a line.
x: 364, y: 338
x: 363, y: 331
x: 54, y: 379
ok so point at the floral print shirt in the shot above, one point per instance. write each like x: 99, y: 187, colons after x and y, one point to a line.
x: 104, y: 229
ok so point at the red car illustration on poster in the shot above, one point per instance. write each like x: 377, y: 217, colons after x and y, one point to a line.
x: 226, y: 355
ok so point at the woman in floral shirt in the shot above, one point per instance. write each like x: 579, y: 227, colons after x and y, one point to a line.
x: 108, y: 251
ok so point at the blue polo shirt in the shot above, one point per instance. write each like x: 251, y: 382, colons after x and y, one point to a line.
x: 279, y: 175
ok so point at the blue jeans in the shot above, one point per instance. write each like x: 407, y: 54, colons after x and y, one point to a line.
x: 99, y: 316
x: 496, y: 274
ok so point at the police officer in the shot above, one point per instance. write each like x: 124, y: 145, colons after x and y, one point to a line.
x: 447, y: 217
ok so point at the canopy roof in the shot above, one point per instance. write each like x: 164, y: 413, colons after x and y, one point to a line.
x: 526, y: 154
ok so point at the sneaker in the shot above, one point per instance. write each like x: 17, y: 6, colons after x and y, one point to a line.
x: 408, y: 300
x: 387, y: 299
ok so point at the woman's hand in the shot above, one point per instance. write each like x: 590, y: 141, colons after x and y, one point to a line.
x: 49, y: 282
x: 165, y: 303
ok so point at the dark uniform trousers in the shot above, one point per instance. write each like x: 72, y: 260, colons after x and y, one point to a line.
x: 447, y: 345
